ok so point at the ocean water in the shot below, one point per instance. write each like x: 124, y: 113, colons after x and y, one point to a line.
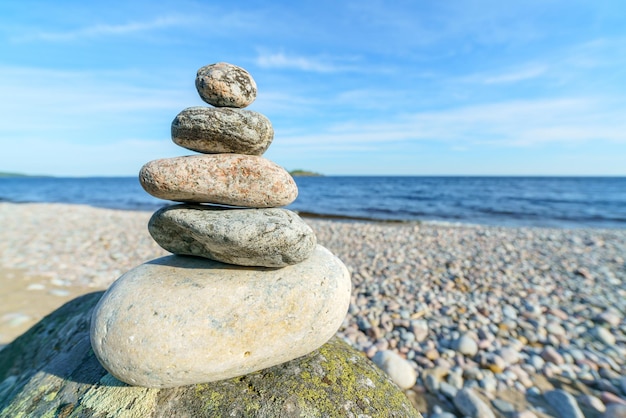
x: 562, y: 202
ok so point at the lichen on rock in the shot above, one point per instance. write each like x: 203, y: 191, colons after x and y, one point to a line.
x: 51, y: 371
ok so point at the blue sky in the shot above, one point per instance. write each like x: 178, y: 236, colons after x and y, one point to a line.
x: 365, y: 87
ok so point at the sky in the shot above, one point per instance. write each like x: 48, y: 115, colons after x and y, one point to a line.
x: 475, y: 87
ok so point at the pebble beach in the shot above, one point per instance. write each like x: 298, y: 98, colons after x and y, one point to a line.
x: 527, y: 321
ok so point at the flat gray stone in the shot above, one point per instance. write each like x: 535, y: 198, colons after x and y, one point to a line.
x: 213, y: 130
x: 225, y: 85
x: 563, y: 403
x: 604, y: 335
x: 469, y: 404
x: 615, y: 410
x: 179, y: 320
x: 51, y: 371
x: 246, y: 237
x: 228, y: 179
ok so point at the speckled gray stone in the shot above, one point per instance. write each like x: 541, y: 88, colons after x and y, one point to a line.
x: 229, y: 179
x: 180, y: 320
x: 225, y: 85
x: 217, y: 130
x: 247, y: 237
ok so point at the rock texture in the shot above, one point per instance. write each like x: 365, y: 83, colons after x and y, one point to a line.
x: 200, y: 321
x: 247, y: 237
x: 229, y: 179
x: 51, y: 371
x: 222, y: 130
x: 225, y: 85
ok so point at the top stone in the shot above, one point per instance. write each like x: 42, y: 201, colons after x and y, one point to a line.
x: 225, y: 85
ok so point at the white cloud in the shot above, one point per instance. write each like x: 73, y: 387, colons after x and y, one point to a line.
x: 103, y: 30
x: 508, y: 124
x: 281, y: 61
x: 515, y: 76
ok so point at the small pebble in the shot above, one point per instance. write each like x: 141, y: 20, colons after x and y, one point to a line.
x: 15, y: 319
x: 398, y: 369
x: 469, y: 404
x: 603, y: 335
x: 615, y: 411
x: 592, y: 402
x: 563, y: 403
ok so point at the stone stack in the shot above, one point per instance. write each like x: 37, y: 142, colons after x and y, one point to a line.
x: 258, y: 290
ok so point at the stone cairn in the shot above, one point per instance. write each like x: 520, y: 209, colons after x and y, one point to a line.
x: 258, y: 290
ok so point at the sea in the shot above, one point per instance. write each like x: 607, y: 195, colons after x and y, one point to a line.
x: 558, y: 202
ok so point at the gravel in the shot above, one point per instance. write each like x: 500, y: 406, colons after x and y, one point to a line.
x: 536, y: 301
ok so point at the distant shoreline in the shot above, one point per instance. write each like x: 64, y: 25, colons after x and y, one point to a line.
x: 20, y: 175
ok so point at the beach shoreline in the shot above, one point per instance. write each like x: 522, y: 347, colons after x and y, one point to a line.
x: 417, y: 289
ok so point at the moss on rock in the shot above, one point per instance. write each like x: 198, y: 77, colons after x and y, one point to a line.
x: 50, y: 371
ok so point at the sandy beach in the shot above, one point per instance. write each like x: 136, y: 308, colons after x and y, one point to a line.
x: 545, y: 308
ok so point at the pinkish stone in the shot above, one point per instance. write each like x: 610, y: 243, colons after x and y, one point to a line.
x: 550, y: 354
x: 228, y: 179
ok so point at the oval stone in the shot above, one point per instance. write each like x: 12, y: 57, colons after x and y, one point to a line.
x: 217, y: 130
x: 178, y: 320
x: 225, y: 85
x: 228, y: 179
x: 246, y: 237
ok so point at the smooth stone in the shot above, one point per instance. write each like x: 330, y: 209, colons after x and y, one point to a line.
x: 177, y: 320
x: 524, y: 414
x: 510, y: 355
x: 469, y: 404
x: 213, y: 130
x: 225, y: 85
x: 489, y: 383
x: 443, y: 415
x: 604, y: 335
x: 609, y: 317
x: 563, y: 403
x: 592, y: 402
x: 15, y: 319
x: 551, y: 355
x: 615, y: 411
x: 503, y: 406
x: 228, y: 179
x: 466, y: 345
x: 509, y: 312
x: 59, y: 376
x: 555, y: 328
x: 448, y: 390
x: 419, y: 328
x: 247, y: 237
x: 432, y: 378
x: 397, y: 368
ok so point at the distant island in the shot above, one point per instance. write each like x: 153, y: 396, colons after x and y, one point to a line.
x: 303, y: 173
x: 3, y: 174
